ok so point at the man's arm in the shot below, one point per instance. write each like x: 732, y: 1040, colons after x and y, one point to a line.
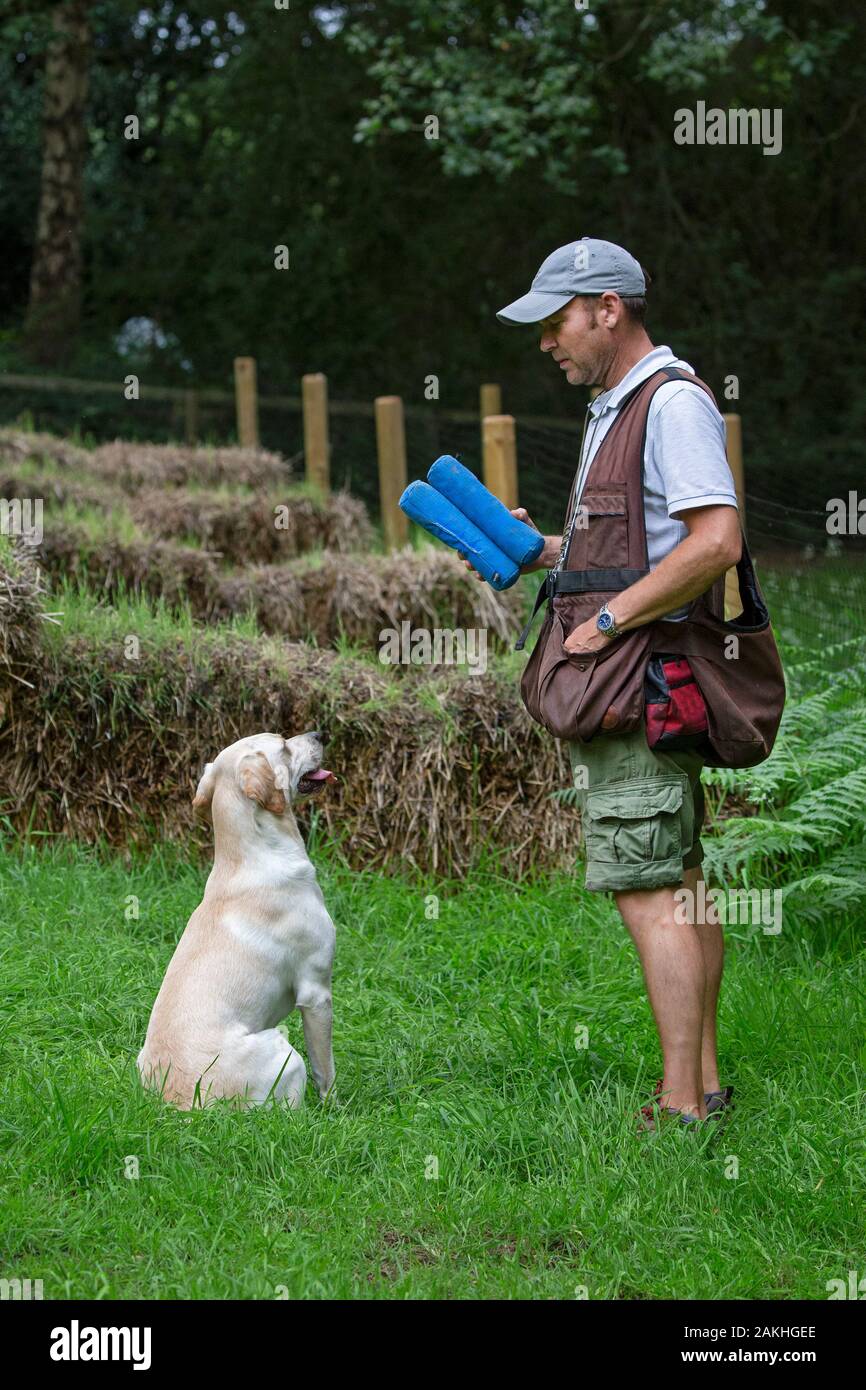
x: 713, y: 544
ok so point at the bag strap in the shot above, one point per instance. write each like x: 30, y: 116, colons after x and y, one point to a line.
x: 754, y: 604
x: 542, y: 594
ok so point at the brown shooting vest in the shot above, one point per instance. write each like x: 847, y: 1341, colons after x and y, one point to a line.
x: 736, y: 664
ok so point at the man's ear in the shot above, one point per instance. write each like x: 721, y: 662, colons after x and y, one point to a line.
x: 258, y: 781
x: 205, y: 789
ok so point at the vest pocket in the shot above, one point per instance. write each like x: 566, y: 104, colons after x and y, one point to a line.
x: 605, y: 516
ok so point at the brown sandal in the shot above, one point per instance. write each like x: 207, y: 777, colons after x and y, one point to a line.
x: 647, y: 1116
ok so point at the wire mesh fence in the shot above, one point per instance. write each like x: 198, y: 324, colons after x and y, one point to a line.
x: 91, y: 415
x: 815, y: 582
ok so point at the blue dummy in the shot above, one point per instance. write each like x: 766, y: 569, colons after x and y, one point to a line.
x: 441, y: 518
x: 521, y: 543
x: 459, y: 510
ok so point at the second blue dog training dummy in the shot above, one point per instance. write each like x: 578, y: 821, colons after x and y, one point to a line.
x: 521, y: 543
x: 442, y: 519
x: 462, y: 512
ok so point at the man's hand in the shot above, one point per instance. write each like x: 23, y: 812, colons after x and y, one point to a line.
x: 546, y: 560
x: 585, y: 638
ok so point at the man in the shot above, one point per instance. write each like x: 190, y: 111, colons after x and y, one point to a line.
x: 588, y: 301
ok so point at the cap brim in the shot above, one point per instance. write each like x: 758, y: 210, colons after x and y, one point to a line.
x: 533, y: 307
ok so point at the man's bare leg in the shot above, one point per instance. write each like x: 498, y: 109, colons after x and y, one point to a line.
x: 673, y: 960
x: 712, y: 941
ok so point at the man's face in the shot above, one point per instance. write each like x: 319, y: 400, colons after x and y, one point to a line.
x: 577, y: 340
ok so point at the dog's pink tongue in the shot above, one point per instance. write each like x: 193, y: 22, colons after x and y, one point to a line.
x: 321, y: 774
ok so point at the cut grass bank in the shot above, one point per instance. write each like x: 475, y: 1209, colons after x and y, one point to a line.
x: 108, y: 715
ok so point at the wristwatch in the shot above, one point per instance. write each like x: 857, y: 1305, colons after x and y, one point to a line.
x: 606, y: 622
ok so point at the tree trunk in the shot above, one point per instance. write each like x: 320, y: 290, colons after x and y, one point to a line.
x: 54, y: 311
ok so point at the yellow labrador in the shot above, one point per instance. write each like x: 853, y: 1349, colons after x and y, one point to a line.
x: 260, y: 943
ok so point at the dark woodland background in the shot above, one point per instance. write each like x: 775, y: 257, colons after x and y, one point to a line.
x: 305, y: 127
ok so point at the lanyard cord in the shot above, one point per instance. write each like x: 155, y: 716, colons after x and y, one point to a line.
x: 566, y: 540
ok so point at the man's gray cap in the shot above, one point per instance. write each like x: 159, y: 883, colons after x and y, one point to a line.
x: 586, y: 266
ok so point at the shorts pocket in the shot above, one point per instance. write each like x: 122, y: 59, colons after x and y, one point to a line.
x: 638, y: 825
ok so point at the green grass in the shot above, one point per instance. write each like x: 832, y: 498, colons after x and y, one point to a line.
x: 98, y: 525
x: 455, y: 1041
x: 81, y: 613
x: 8, y: 557
x: 39, y: 467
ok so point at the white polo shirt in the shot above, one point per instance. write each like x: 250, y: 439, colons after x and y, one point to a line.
x: 685, y: 460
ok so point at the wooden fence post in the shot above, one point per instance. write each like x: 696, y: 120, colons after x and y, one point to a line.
x: 491, y: 400
x: 246, y: 402
x: 391, y: 448
x: 734, y: 438
x: 190, y: 416
x: 500, y: 458
x: 489, y: 403
x: 317, y: 466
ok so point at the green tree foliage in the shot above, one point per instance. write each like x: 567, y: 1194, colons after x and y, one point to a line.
x: 308, y: 128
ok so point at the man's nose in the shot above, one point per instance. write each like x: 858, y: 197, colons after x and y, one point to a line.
x: 547, y: 342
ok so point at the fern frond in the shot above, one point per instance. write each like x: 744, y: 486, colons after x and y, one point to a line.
x: 835, y: 810
x: 757, y: 845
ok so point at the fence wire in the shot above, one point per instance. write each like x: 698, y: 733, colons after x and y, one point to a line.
x: 814, y: 582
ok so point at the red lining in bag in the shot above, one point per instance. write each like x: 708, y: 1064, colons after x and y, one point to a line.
x: 675, y: 707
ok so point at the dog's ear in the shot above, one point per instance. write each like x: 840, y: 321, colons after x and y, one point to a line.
x: 204, y: 791
x: 260, y: 783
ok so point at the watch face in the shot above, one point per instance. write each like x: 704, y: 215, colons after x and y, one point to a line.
x: 605, y: 621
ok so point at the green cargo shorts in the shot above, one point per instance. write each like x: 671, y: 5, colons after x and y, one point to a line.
x: 641, y: 811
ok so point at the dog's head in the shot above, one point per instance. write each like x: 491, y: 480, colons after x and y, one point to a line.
x: 270, y: 770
